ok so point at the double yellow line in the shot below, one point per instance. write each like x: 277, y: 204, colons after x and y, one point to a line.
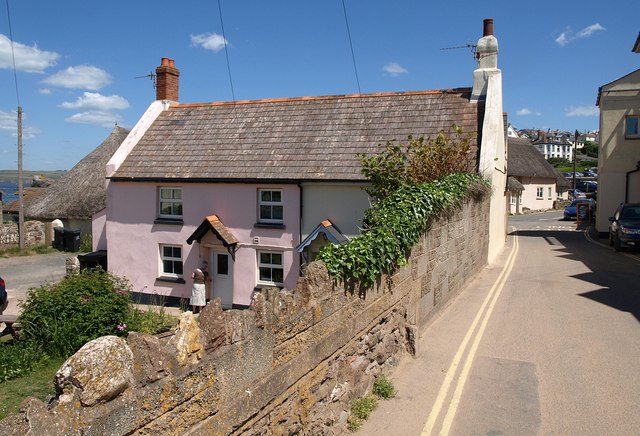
x: 482, y: 318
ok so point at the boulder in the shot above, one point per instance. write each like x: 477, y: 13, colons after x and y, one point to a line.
x: 98, y: 372
x: 149, y: 361
x: 212, y: 325
x: 187, y: 340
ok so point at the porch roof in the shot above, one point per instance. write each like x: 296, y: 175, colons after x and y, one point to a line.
x: 212, y: 223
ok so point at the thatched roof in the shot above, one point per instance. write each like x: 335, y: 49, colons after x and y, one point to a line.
x: 526, y: 161
x: 513, y: 185
x: 289, y: 139
x: 81, y: 192
x: 29, y: 196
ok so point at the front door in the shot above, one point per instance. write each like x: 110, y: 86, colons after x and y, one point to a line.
x: 222, y: 280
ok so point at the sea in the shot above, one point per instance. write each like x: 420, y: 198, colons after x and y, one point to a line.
x: 9, y: 191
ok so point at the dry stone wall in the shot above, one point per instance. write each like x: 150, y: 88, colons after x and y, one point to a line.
x: 34, y: 234
x: 290, y: 364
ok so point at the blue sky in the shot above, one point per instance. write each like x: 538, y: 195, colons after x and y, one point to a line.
x: 76, y: 60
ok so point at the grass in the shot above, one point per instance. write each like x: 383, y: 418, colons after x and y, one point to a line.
x: 362, y: 407
x: 37, y: 384
x: 383, y: 388
x: 27, y: 251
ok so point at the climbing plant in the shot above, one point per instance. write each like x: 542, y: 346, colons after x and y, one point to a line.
x: 394, y: 224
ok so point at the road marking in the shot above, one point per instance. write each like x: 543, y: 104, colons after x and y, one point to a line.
x: 489, y: 300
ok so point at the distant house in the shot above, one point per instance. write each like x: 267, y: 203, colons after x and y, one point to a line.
x: 554, y: 145
x: 256, y: 187
x: 80, y: 193
x: 533, y: 183
x: 619, y: 154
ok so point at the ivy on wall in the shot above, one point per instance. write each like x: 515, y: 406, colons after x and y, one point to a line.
x: 394, y: 224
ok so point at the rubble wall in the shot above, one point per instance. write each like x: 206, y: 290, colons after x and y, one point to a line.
x: 290, y: 364
x: 34, y: 234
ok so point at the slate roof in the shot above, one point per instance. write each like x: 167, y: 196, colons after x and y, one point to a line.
x: 289, y: 139
x: 524, y: 160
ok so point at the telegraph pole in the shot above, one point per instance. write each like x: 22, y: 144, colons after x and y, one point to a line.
x: 20, y: 189
x: 575, y: 152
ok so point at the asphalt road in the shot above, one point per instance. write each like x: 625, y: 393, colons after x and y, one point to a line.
x: 546, y: 340
x: 23, y: 272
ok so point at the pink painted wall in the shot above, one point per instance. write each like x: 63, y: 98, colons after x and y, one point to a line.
x: 98, y: 230
x: 134, y: 240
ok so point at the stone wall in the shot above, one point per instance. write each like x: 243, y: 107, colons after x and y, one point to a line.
x: 34, y: 234
x: 291, y: 364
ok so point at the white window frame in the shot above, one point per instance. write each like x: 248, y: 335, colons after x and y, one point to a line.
x: 632, y: 135
x: 271, y: 204
x: 540, y: 193
x: 170, y: 274
x: 173, y: 201
x: 270, y: 265
x: 549, y: 193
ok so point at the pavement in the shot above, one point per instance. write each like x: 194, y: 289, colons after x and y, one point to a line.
x: 24, y: 272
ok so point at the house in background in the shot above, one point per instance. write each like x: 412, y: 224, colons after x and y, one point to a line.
x: 533, y: 182
x: 80, y: 193
x: 255, y: 187
x: 619, y: 154
x: 554, y: 144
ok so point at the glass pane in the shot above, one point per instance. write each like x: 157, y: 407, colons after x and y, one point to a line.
x: 265, y: 212
x: 265, y: 258
x: 276, y: 212
x: 276, y: 196
x: 177, y: 194
x: 178, y: 209
x: 277, y: 275
x: 276, y: 259
x: 166, y: 251
x: 223, y: 264
x: 265, y: 195
x: 165, y: 193
x: 176, y: 252
x: 265, y: 274
x: 165, y: 208
x: 632, y: 126
x: 177, y: 268
x: 167, y: 266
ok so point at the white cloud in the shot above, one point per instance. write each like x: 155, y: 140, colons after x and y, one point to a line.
x: 94, y: 100
x: 587, y: 31
x: 567, y: 36
x: 394, y: 69
x: 581, y: 111
x: 44, y: 91
x: 209, y: 41
x: 527, y: 111
x: 100, y: 118
x: 80, y: 77
x: 28, y: 59
x: 9, y: 125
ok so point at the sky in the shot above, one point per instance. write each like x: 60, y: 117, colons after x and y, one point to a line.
x: 81, y: 67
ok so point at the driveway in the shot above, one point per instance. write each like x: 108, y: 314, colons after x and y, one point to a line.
x: 23, y: 272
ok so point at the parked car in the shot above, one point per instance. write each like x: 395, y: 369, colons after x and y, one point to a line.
x: 570, y: 212
x: 576, y: 193
x: 570, y: 175
x: 590, y: 173
x: 3, y: 294
x: 587, y: 186
x: 624, y: 227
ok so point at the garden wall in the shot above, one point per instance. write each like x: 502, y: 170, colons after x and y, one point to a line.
x: 291, y: 364
x: 34, y: 234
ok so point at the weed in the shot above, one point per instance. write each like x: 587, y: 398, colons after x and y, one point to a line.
x: 383, y: 388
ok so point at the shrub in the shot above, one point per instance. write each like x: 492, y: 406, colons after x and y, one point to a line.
x: 418, y: 161
x: 383, y: 388
x: 86, y: 243
x: 64, y: 316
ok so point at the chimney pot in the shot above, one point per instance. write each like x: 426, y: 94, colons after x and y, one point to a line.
x: 488, y: 27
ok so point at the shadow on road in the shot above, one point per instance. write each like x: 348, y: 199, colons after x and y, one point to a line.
x: 615, y: 274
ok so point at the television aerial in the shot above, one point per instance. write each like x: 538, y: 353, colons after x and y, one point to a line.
x: 472, y: 47
x: 149, y: 76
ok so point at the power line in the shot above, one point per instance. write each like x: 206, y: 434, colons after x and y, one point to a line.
x: 13, y: 57
x: 226, y: 52
x: 353, y: 56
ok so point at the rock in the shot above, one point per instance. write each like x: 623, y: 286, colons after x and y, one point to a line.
x: 212, y: 325
x: 149, y: 362
x: 98, y: 372
x: 187, y: 340
x: 412, y: 334
x: 73, y: 265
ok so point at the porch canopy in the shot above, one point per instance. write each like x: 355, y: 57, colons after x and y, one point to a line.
x: 212, y: 223
x: 327, y: 228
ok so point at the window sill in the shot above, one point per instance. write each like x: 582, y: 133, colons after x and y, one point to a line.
x: 170, y: 279
x: 269, y: 226
x: 261, y: 286
x: 173, y: 222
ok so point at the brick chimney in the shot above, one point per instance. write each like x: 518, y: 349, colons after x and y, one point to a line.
x: 167, y: 79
